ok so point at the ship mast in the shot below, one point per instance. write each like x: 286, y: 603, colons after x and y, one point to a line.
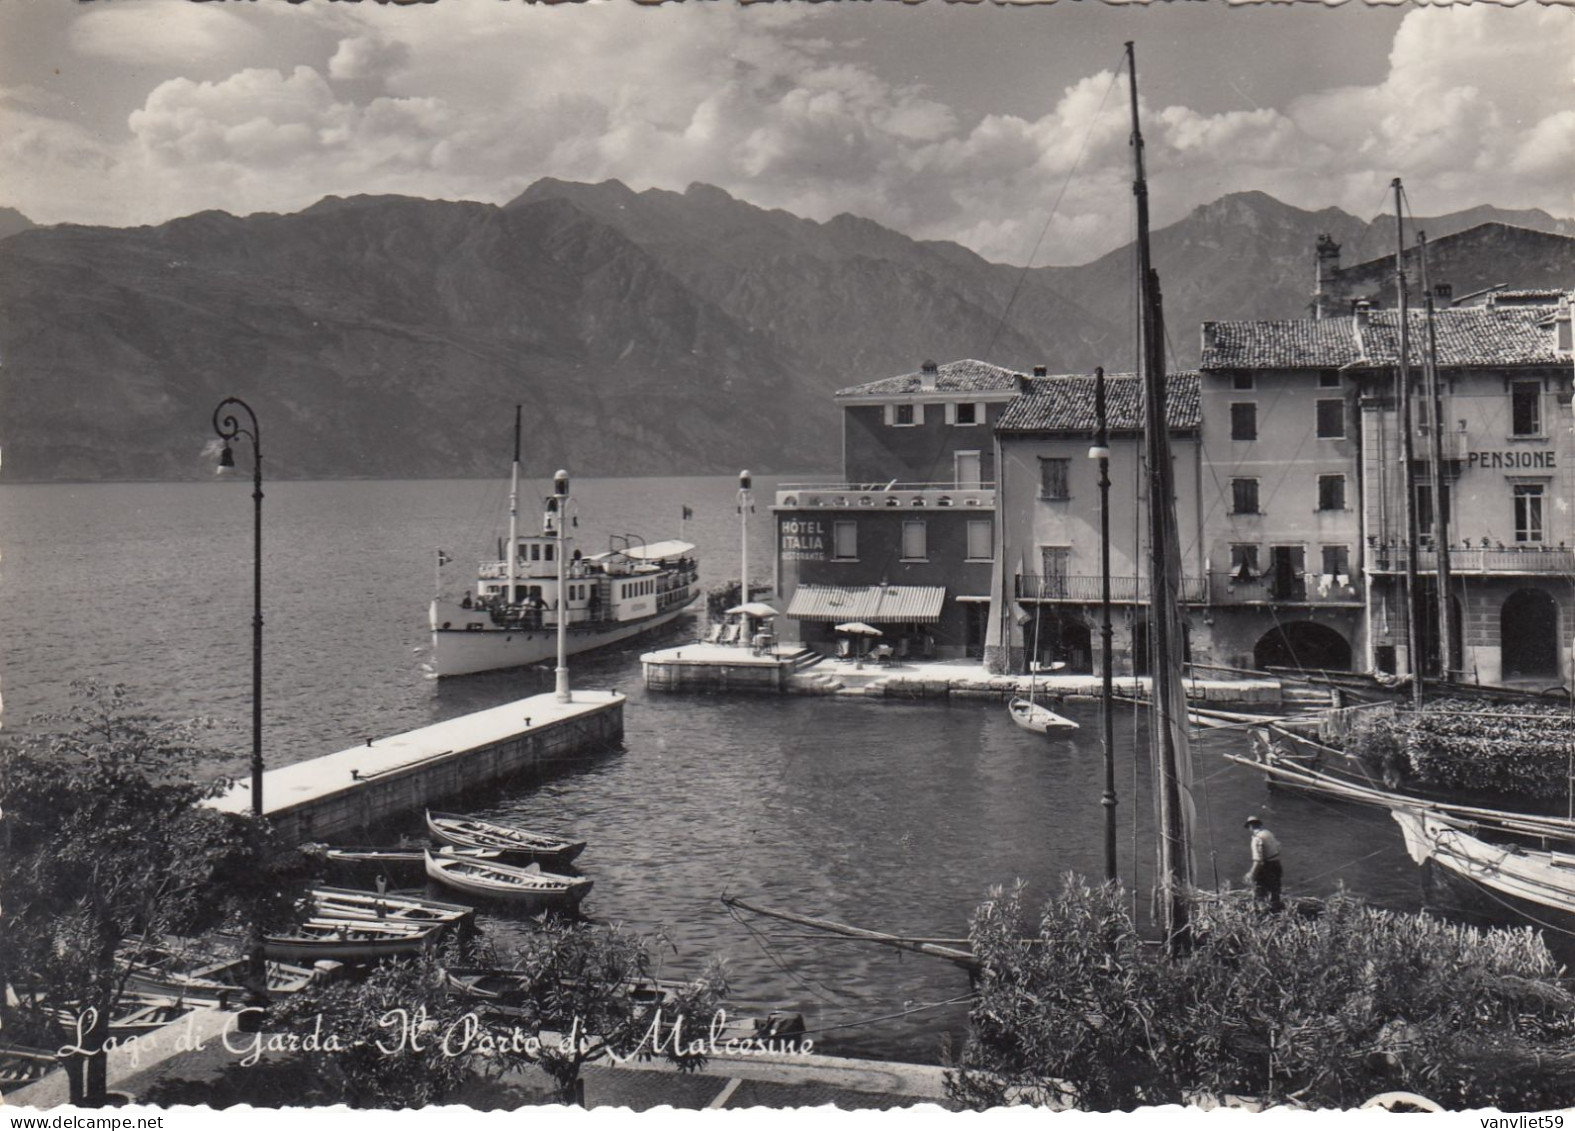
x: 1407, y: 454
x: 514, y: 515
x: 1168, y: 732
x: 1446, y: 615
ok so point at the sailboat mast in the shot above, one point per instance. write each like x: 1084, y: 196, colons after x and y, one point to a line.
x: 1446, y: 615
x: 1407, y: 454
x: 1167, y: 736
x: 514, y: 514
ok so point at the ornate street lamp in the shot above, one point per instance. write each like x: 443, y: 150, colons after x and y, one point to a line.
x: 560, y: 495
x: 1101, y: 451
x: 228, y: 426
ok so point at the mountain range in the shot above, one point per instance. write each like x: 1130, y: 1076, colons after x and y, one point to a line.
x: 649, y: 332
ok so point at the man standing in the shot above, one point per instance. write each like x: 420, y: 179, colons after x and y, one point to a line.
x: 1266, y: 872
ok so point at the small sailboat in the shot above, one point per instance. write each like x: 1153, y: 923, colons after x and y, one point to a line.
x: 1035, y: 716
x: 528, y: 886
x: 1542, y: 877
x: 471, y: 832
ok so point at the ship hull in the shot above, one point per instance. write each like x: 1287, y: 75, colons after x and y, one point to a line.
x: 458, y: 651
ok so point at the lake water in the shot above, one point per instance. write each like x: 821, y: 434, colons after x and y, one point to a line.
x: 895, y: 816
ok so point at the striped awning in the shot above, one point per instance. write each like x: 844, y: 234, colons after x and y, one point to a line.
x: 877, y: 604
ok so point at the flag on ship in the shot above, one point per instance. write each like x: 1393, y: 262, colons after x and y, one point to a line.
x: 443, y: 558
x: 688, y: 513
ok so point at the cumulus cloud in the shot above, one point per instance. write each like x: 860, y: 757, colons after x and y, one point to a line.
x: 1475, y: 108
x: 169, y: 32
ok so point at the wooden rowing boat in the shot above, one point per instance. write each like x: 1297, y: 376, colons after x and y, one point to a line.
x: 188, y: 972
x: 20, y: 1065
x: 471, y: 832
x: 399, y: 861
x: 344, y: 940
x: 527, y: 885
x: 358, y: 905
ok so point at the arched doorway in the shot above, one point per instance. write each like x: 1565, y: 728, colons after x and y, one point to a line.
x: 1061, y: 638
x: 1303, y: 644
x: 1528, y: 635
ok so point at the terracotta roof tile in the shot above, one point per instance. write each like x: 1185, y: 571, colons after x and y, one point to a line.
x: 966, y: 376
x: 1066, y: 404
x: 1468, y: 336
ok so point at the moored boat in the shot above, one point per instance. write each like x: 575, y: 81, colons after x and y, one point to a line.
x: 20, y: 1065
x: 505, y: 991
x: 528, y: 886
x: 345, y: 940
x: 510, y: 617
x: 473, y: 833
x: 1038, y: 718
x: 1543, y: 877
x: 399, y: 862
x: 355, y: 904
x: 188, y: 972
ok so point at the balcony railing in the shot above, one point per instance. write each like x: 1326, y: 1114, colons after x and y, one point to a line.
x: 1478, y: 559
x: 1453, y: 443
x: 1227, y: 588
x: 1086, y: 590
x: 893, y: 494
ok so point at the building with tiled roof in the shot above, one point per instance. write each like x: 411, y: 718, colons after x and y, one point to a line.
x: 1302, y: 426
x: 1065, y: 403
x: 1506, y: 336
x: 965, y: 376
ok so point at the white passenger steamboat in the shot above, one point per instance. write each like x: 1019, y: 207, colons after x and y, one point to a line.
x: 509, y: 617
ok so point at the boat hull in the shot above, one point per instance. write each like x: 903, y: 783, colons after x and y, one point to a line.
x: 1039, y: 719
x: 461, y: 651
x: 531, y: 891
x: 471, y: 835
x: 1539, y: 878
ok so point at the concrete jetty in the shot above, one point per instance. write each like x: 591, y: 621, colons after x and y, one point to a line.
x: 385, y: 778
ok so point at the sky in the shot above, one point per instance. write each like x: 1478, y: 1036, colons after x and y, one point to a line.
x: 1002, y: 127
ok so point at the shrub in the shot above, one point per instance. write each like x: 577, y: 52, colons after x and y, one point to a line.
x: 1326, y: 1011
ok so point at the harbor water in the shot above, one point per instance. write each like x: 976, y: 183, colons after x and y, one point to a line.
x: 898, y: 816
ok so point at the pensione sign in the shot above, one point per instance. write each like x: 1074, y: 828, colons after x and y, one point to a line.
x: 802, y: 540
x: 1511, y: 461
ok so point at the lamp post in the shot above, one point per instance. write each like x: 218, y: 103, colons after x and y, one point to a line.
x: 746, y: 503
x: 1101, y: 451
x: 228, y: 426
x: 560, y: 495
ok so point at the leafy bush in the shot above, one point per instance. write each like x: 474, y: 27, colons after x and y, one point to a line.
x: 1327, y: 1011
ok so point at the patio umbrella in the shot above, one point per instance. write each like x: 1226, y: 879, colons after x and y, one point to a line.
x: 757, y: 609
x: 859, y: 628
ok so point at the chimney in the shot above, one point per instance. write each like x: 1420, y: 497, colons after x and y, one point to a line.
x: 928, y: 372
x: 1041, y: 371
x: 1327, y: 253
x: 1210, y: 340
x: 1363, y: 311
x: 1024, y: 385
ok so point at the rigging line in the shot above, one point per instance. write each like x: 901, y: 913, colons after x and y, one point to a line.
x: 1022, y: 275
x: 759, y: 940
x: 1302, y: 885
x: 1511, y: 908
x: 889, y: 1016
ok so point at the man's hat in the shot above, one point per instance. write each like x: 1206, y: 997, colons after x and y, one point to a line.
x: 1252, y: 821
